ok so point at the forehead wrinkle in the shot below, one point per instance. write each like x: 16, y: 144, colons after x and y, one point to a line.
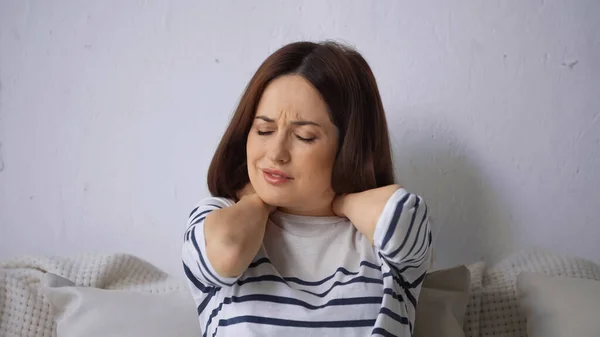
x: 287, y: 116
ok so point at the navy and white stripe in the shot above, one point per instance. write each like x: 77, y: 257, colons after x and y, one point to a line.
x: 194, y: 249
x: 366, y: 291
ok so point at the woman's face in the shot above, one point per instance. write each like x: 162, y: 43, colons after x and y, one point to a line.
x: 291, y: 148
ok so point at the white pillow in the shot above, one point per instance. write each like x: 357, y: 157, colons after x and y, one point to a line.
x: 559, y: 306
x: 93, y: 312
x: 443, y: 303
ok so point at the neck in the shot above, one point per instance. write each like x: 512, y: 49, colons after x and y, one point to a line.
x: 322, y: 211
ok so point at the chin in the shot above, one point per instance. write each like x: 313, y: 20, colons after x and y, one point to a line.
x: 274, y: 199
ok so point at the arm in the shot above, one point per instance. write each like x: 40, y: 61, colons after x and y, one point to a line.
x: 395, y: 222
x: 234, y: 235
x: 223, y: 238
x: 364, y: 208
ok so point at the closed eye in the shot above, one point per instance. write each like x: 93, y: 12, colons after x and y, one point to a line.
x: 308, y: 140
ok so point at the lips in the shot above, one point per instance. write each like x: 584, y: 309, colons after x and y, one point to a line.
x: 277, y: 173
x: 276, y: 177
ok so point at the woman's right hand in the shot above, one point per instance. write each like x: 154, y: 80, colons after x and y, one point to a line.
x: 234, y: 234
x: 248, y: 190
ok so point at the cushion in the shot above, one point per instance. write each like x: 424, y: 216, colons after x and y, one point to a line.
x: 559, y: 306
x: 91, y: 312
x: 94, y: 312
x: 498, y: 311
x: 443, y: 303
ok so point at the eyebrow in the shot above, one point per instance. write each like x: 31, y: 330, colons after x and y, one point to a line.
x: 299, y: 123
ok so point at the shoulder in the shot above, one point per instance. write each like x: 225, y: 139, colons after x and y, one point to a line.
x: 210, y: 204
x: 215, y: 202
x: 404, y: 196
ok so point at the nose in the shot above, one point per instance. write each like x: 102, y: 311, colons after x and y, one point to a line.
x: 278, y: 151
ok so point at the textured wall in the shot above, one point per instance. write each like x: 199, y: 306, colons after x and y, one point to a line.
x: 110, y: 112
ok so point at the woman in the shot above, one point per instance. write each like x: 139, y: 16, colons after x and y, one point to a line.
x: 307, y: 234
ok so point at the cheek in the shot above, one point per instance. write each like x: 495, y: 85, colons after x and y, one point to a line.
x: 318, y: 168
x: 251, y: 156
x: 252, y: 149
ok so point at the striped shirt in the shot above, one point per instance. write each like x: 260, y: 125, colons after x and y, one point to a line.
x: 315, y: 276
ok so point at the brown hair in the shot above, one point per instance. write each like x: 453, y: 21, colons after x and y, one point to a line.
x: 347, y: 85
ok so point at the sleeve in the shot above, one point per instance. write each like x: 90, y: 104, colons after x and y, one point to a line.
x: 403, y: 236
x: 198, y: 269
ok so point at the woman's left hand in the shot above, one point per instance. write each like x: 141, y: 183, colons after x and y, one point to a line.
x: 337, y: 203
x: 364, y: 208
